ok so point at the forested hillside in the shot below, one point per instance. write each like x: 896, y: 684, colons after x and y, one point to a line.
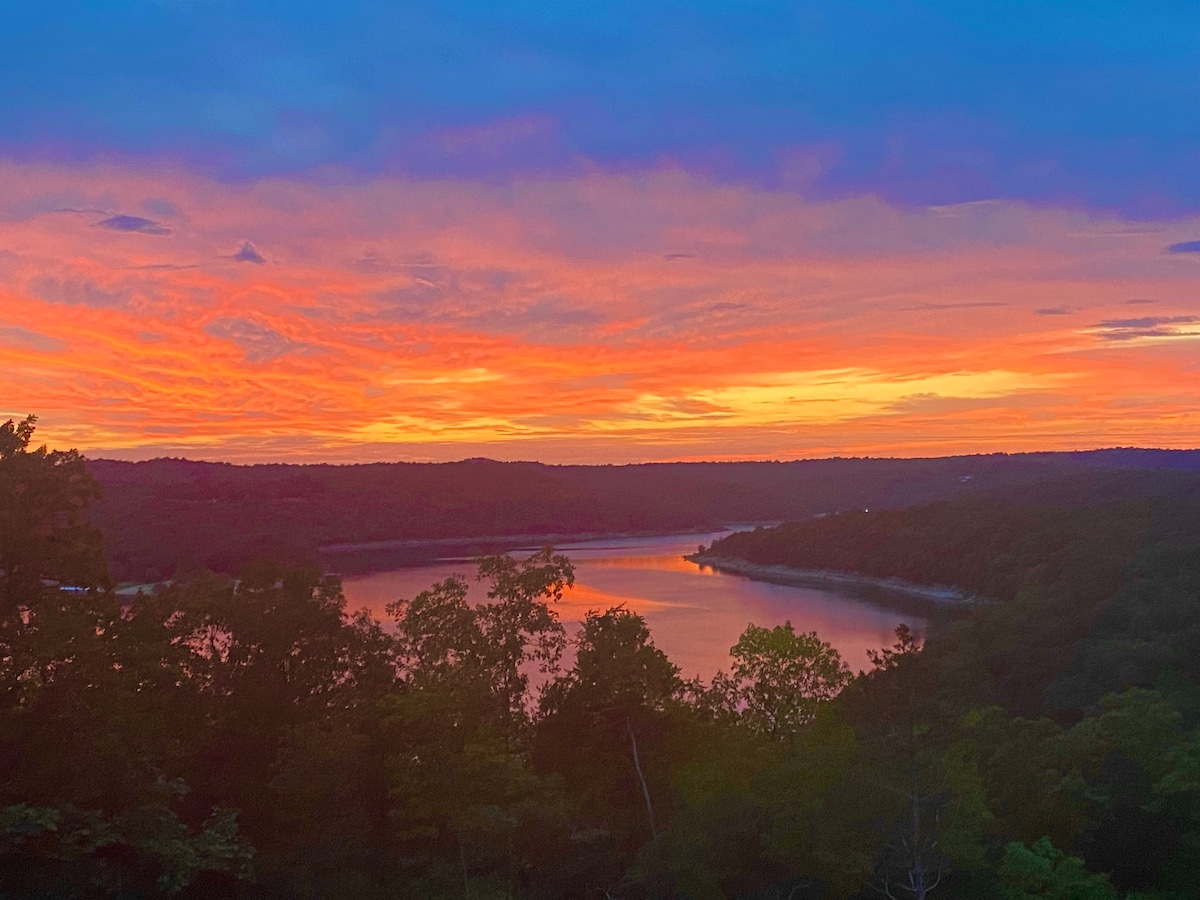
x: 161, y: 514
x: 991, y: 542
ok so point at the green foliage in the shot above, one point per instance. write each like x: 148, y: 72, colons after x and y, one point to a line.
x: 1029, y: 774
x: 46, y: 546
x: 603, y: 724
x: 1045, y: 871
x: 443, y: 638
x: 456, y: 735
x: 40, y: 846
x: 984, y: 548
x: 618, y: 671
x: 826, y: 798
x: 781, y: 678
x: 1139, y: 724
x: 44, y: 533
x: 906, y: 647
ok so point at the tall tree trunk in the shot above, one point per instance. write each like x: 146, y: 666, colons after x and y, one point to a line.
x: 637, y: 765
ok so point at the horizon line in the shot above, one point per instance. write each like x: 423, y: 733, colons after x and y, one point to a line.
x: 666, y: 462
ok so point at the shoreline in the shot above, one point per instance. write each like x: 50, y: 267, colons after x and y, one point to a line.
x: 515, y: 539
x: 939, y: 595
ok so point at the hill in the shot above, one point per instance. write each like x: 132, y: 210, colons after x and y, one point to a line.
x: 160, y: 514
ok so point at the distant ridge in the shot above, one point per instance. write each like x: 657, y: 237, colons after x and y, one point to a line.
x: 1138, y: 457
x: 160, y: 514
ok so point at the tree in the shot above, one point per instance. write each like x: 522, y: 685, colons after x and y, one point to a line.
x: 604, y: 722
x: 458, y: 728
x: 617, y: 668
x: 781, y: 678
x: 145, y: 850
x: 614, y: 649
x: 232, y: 670
x: 1044, y: 871
x: 444, y: 638
x: 44, y: 532
x: 907, y: 646
x: 1137, y: 832
x: 912, y: 862
x: 912, y: 859
x: 46, y: 544
x: 88, y: 808
x: 60, y: 679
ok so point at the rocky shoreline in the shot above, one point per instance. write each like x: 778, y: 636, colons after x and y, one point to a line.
x: 941, y: 595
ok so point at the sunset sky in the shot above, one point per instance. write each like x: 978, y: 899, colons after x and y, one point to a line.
x: 599, y: 232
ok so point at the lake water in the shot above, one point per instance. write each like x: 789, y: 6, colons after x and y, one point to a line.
x: 695, y: 614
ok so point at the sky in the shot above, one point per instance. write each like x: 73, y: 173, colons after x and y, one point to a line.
x: 599, y: 232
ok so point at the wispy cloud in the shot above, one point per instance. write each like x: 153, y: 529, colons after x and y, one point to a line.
x: 24, y: 338
x: 259, y: 342
x: 74, y: 292
x: 547, y: 318
x: 1147, y: 327
x: 133, y: 223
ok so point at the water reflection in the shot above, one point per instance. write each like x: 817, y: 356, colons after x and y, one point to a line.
x: 695, y: 614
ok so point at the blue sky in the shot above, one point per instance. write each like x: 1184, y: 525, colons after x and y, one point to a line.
x: 1066, y: 103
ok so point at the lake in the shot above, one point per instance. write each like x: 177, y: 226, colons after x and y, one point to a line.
x: 695, y: 614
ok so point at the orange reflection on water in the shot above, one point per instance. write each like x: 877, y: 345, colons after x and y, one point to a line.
x: 672, y: 563
x: 694, y: 614
x: 582, y: 598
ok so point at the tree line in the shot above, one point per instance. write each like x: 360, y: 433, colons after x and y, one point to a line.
x: 166, y: 516
x: 251, y: 737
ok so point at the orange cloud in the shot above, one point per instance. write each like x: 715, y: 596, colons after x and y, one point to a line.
x: 601, y: 318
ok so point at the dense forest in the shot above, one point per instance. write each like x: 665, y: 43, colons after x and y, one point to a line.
x: 159, y: 515
x: 251, y: 737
